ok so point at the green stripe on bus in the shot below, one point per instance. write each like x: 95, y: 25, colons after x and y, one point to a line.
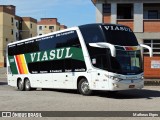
x: 13, y: 65
x: 55, y: 54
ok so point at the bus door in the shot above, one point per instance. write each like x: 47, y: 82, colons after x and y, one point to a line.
x: 99, y: 75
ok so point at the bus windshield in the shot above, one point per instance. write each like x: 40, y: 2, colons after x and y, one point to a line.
x: 126, y: 62
x: 119, y: 35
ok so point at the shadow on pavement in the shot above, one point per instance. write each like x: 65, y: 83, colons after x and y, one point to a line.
x: 62, y: 90
x: 3, y: 83
x: 128, y: 94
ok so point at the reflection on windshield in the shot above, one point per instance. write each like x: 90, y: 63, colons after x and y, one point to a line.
x: 126, y: 62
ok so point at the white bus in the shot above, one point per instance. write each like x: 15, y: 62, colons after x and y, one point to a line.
x: 88, y: 57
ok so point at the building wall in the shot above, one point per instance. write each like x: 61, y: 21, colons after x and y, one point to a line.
x: 45, y: 23
x: 9, y: 32
x: 45, y: 29
x: 149, y: 71
x: 1, y: 40
x: 29, y: 28
x: 6, y: 36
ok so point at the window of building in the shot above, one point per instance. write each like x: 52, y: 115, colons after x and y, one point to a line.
x: 12, y: 20
x: 31, y: 25
x: 154, y: 44
x: 125, y: 11
x: 152, y: 14
x: 31, y: 35
x: 106, y: 8
x: 40, y: 27
x: 12, y: 31
x: 51, y: 27
x: 6, y: 39
x: 17, y: 24
x: 40, y: 34
x: 16, y: 35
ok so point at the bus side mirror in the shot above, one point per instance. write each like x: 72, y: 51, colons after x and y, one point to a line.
x: 105, y: 45
x: 149, y: 48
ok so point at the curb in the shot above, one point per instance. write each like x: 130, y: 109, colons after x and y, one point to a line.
x: 152, y: 83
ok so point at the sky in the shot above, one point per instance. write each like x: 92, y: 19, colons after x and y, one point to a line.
x: 69, y: 12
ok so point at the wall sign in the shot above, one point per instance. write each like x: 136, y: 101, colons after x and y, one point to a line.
x: 155, y: 64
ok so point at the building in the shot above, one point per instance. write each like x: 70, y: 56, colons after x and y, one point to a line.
x: 28, y: 27
x: 47, y: 25
x: 13, y: 28
x: 143, y: 17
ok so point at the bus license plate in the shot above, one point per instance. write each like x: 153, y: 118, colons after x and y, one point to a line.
x: 131, y: 86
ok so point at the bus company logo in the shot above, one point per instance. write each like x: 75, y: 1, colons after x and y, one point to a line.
x: 51, y: 55
x: 6, y: 114
x: 118, y: 28
x: 11, y: 60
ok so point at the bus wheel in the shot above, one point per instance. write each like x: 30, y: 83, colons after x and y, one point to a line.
x: 83, y: 87
x: 20, y: 85
x: 27, y: 85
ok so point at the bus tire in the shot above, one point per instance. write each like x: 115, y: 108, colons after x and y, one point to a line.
x: 27, y: 85
x: 20, y: 85
x: 83, y: 87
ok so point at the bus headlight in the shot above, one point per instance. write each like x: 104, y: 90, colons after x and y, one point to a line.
x: 115, y: 78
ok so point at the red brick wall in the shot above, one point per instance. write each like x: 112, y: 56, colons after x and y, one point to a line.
x: 128, y: 23
x: 151, y: 25
x: 107, y: 18
x: 148, y: 71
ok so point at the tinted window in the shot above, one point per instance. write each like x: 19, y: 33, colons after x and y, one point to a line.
x: 92, y: 34
x: 72, y: 65
x: 119, y: 35
x: 24, y: 47
x: 60, y: 40
x: 99, y: 57
x: 126, y: 62
x: 55, y: 66
x: 65, y: 39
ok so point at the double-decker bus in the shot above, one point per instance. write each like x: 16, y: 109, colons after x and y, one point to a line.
x: 88, y: 57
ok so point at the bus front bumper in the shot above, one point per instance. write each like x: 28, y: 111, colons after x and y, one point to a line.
x: 126, y: 84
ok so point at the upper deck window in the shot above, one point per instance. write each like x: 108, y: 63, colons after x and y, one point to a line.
x: 92, y: 34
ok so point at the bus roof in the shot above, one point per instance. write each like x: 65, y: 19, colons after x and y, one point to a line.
x: 98, y: 24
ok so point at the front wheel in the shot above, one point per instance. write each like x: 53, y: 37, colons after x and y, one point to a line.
x: 83, y: 87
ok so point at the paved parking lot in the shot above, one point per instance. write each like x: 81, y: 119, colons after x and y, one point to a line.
x: 11, y: 99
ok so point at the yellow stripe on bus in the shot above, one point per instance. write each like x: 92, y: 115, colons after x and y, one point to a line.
x: 24, y: 66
